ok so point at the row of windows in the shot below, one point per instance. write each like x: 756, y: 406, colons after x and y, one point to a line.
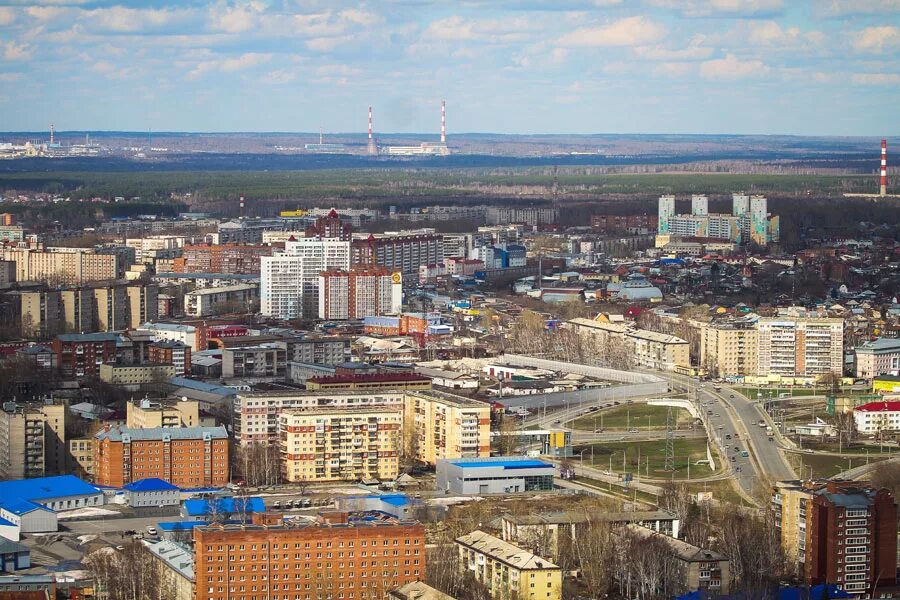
x: 307, y: 545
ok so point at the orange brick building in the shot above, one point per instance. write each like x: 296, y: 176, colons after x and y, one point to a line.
x: 189, y: 457
x: 221, y: 258
x: 350, y: 556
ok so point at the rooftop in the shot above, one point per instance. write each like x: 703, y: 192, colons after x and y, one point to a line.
x: 179, y: 558
x: 879, y: 407
x: 683, y: 550
x: 150, y: 484
x: 502, y: 462
x: 201, y: 507
x: 419, y: 590
x: 485, y: 543
x: 115, y: 434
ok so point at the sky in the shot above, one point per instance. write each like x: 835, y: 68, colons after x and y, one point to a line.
x: 806, y: 67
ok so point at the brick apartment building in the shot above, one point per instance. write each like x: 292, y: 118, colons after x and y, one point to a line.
x: 189, y: 457
x: 171, y: 352
x: 81, y: 354
x: 221, y: 258
x: 356, y: 556
x: 842, y: 532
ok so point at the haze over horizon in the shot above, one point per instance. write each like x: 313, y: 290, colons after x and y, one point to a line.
x: 765, y: 67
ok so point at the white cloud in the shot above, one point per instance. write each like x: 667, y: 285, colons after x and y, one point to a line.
x: 14, y: 51
x: 630, y: 31
x: 673, y: 69
x: 244, y: 61
x: 695, y: 50
x: 48, y: 13
x: 876, y: 78
x: 329, y: 44
x: 336, y: 74
x: 279, y: 77
x: 713, y: 8
x: 119, y: 19
x: 732, y: 68
x: 228, y: 65
x: 110, y: 70
x: 843, y: 8
x: 6, y: 77
x: 877, y: 39
x: 456, y: 29
x: 7, y: 16
x: 234, y: 18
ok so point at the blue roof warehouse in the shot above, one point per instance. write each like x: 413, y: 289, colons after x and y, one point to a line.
x: 495, y: 475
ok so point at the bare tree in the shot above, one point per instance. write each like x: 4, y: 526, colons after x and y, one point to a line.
x: 130, y: 574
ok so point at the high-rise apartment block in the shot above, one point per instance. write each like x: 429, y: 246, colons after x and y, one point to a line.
x: 189, y: 457
x: 403, y: 251
x: 360, y: 292
x: 447, y: 426
x: 729, y: 348
x: 749, y: 221
x: 289, y: 282
x: 529, y: 215
x: 666, y: 214
x: 801, y: 347
x: 842, y: 532
x: 221, y: 258
x: 354, y: 556
x: 32, y: 440
x: 341, y: 445
x: 699, y: 205
x: 63, y: 265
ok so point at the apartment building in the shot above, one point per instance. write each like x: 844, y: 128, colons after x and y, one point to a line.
x: 729, y: 348
x: 647, y: 348
x: 143, y: 305
x: 403, y: 251
x: 189, y: 457
x: 529, y: 215
x: 193, y: 336
x: 323, y: 444
x: 111, y: 308
x: 874, y: 418
x: 177, y: 354
x: 81, y: 354
x: 265, y: 361
x: 72, y: 266
x: 351, y: 555
x: 256, y: 414
x: 147, y: 414
x: 40, y: 312
x: 145, y: 248
x: 795, y: 347
x: 360, y: 292
x: 329, y: 351
x: 289, y: 282
x: 702, y: 569
x: 221, y: 258
x: 507, y: 571
x: 369, y: 382
x: 878, y: 357
x: 446, y: 426
x: 77, y: 309
x: 842, y: 532
x: 216, y: 300
x: 32, y: 440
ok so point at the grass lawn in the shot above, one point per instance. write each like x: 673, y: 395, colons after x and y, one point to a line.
x: 617, y: 489
x: 651, y: 453
x: 626, y: 416
x: 823, y: 465
x: 723, y: 490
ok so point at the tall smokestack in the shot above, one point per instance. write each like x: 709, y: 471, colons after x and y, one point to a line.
x: 242, y: 206
x: 443, y: 121
x: 372, y: 149
x: 884, y: 167
x: 51, y: 134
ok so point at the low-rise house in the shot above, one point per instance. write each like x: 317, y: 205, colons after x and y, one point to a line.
x: 507, y: 571
x: 705, y: 570
x: 151, y: 491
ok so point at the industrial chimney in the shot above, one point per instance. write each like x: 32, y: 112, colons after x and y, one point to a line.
x: 371, y: 149
x: 884, y: 167
x: 443, y: 121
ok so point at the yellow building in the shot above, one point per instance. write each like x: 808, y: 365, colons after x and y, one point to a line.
x: 509, y: 572
x: 788, y: 504
x: 135, y: 374
x: 728, y: 349
x: 73, y: 265
x: 340, y: 445
x: 147, y: 414
x: 380, y: 382
x: 886, y: 384
x: 81, y: 453
x: 439, y: 425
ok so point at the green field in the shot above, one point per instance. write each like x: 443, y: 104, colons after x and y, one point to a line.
x: 627, y: 416
x: 723, y: 490
x: 608, y: 455
x: 825, y: 465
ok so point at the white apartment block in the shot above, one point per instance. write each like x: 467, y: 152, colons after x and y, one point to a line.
x: 800, y: 347
x: 289, y: 282
x: 341, y: 445
x: 256, y: 415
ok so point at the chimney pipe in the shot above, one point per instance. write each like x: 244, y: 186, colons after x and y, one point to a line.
x: 443, y: 121
x: 884, y: 167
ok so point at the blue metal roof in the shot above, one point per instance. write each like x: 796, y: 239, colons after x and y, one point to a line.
x: 199, y: 507
x: 504, y: 463
x: 395, y: 499
x: 150, y: 484
x: 45, y: 488
x: 180, y: 525
x: 20, y: 507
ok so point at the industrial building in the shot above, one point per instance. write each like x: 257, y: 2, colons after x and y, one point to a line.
x: 493, y: 475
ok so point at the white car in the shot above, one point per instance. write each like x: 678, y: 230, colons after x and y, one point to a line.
x: 151, y: 530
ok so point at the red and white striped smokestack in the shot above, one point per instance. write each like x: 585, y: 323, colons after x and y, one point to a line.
x: 443, y: 121
x: 242, y: 206
x: 370, y: 123
x: 884, y: 167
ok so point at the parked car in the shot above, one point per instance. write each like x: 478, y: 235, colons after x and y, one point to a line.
x: 151, y: 530
x: 632, y: 430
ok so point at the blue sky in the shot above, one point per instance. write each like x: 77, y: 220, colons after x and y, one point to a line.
x: 829, y: 67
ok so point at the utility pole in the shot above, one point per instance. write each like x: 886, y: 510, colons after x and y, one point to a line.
x: 669, y: 464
